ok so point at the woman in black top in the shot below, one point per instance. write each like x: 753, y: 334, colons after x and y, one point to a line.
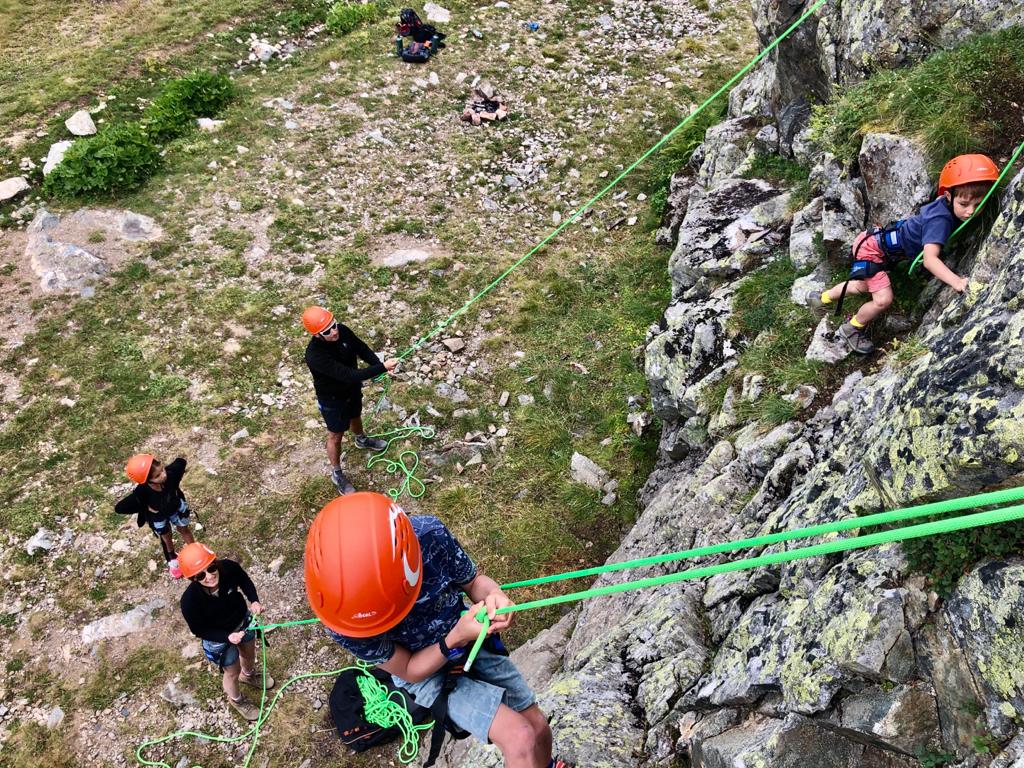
x: 215, y: 609
x: 157, y: 500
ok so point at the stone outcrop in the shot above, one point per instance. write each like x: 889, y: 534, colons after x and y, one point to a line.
x: 75, y: 251
x: 847, y: 660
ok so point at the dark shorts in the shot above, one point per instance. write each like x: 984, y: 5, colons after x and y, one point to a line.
x: 179, y: 519
x: 225, y: 654
x: 338, y: 415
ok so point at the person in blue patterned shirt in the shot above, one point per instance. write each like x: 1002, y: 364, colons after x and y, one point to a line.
x: 391, y: 590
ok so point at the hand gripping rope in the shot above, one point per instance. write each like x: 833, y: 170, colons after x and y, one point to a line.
x: 409, y: 746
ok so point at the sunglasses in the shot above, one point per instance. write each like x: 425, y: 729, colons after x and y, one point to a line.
x: 210, y: 570
x: 328, y: 330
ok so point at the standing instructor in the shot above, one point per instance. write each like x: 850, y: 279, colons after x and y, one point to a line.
x: 333, y: 355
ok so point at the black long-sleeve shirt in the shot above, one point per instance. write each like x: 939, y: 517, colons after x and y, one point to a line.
x: 146, y: 502
x: 337, y: 377
x: 214, y: 617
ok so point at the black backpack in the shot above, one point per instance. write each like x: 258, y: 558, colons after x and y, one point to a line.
x: 347, y: 705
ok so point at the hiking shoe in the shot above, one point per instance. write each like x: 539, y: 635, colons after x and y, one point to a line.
x: 246, y: 708
x: 373, y: 443
x: 174, y: 569
x: 342, y: 483
x: 855, y: 339
x: 256, y: 680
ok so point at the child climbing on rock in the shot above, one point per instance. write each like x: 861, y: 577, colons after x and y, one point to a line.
x: 390, y: 590
x: 157, y: 500
x: 963, y: 183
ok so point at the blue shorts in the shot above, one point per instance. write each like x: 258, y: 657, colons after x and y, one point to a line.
x: 225, y: 654
x: 179, y: 519
x: 337, y: 416
x: 474, y: 702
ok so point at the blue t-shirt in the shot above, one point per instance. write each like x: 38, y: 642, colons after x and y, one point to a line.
x: 933, y: 224
x: 446, y: 567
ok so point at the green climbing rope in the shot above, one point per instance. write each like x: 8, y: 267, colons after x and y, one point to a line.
x: 383, y: 708
x: 976, y: 520
x: 867, y: 521
x: 981, y: 205
x: 388, y: 710
x: 949, y: 525
x: 410, y: 479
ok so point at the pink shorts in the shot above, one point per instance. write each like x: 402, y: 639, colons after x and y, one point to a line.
x: 871, y: 252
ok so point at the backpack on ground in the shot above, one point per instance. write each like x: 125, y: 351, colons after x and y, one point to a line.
x: 426, y: 40
x: 348, y: 710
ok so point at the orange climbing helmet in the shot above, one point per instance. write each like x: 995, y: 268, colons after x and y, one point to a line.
x: 316, y: 319
x: 364, y: 568
x: 964, y: 169
x: 195, y: 558
x: 138, y: 467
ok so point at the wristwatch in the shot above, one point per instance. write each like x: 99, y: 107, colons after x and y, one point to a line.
x: 452, y: 654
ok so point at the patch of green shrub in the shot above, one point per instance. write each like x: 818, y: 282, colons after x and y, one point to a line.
x: 182, y: 100
x: 117, y: 159
x: 345, y: 17
x: 777, y: 168
x: 945, y: 558
x: 121, y: 157
x: 962, y: 100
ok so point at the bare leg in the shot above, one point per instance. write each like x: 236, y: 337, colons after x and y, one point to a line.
x: 167, y: 544
x: 515, y: 737
x: 247, y: 653
x: 356, y: 426
x: 186, y: 533
x: 230, y: 681
x: 880, y: 301
x: 853, y: 287
x: 542, y: 732
x: 334, y: 448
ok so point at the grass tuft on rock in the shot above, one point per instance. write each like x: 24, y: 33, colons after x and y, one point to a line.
x: 962, y: 100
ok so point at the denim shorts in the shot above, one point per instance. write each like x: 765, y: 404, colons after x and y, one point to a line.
x: 474, y: 702
x: 225, y: 654
x: 179, y: 519
x: 338, y: 415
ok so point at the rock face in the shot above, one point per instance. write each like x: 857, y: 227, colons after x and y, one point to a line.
x: 62, y: 264
x: 840, y: 661
x: 842, y: 43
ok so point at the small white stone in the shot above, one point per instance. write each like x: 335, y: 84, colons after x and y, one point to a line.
x: 208, y: 125
x: 242, y: 150
x: 12, y: 187
x: 55, y: 155
x: 81, y: 124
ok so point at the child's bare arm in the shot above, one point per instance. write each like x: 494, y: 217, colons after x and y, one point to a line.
x: 933, y: 263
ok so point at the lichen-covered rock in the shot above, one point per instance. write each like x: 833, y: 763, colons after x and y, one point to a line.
x: 795, y: 742
x: 709, y: 238
x: 802, y: 235
x: 895, y: 175
x: 726, y: 149
x: 691, y: 353
x: 986, y: 616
